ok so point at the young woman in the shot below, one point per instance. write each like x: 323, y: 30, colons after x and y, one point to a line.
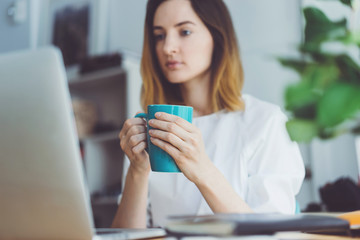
x: 236, y: 156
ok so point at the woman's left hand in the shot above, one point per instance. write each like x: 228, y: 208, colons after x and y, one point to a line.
x: 183, y: 141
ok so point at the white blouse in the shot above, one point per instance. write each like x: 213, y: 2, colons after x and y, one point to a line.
x: 253, y: 151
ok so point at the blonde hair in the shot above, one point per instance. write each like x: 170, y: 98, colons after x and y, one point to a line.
x: 227, y: 74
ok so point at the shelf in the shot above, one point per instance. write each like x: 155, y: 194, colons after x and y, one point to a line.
x: 105, y: 90
x: 105, y: 200
x: 102, y: 155
x: 98, y: 76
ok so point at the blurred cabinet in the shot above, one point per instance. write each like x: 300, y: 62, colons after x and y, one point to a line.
x: 100, y: 111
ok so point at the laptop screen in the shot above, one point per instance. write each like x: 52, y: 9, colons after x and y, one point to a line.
x: 42, y: 186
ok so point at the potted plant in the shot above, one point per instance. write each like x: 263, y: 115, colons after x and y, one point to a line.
x: 326, y: 101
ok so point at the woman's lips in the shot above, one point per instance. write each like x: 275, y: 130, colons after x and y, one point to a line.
x: 173, y: 65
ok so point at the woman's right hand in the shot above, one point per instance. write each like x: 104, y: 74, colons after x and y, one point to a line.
x: 133, y: 143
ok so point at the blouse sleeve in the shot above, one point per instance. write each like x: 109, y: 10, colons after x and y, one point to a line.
x: 275, y: 168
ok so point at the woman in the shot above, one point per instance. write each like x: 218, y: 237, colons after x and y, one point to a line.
x: 236, y: 156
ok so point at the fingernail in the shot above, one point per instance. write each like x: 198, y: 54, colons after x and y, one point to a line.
x: 157, y: 114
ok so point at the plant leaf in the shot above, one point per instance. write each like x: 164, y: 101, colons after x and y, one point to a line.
x: 300, y: 95
x: 297, y: 65
x: 340, y: 102
x: 347, y: 2
x: 321, y: 76
x: 320, y: 28
x: 306, y: 111
x: 350, y: 70
x: 301, y: 130
x: 352, y: 37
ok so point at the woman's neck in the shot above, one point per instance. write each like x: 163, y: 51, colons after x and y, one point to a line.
x: 196, y: 93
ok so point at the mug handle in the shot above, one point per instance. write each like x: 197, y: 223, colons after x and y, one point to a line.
x: 141, y: 115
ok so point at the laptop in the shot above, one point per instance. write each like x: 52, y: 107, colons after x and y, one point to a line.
x: 43, y: 194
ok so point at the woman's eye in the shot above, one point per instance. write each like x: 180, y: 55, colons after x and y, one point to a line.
x: 185, y: 32
x: 159, y: 37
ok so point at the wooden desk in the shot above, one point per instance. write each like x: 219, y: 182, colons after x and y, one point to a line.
x: 278, y: 236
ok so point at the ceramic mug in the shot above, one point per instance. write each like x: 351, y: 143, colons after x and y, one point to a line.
x: 160, y: 160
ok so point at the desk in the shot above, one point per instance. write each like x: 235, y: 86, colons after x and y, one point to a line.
x: 278, y: 236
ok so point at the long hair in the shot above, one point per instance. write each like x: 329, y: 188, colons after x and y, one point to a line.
x: 227, y: 74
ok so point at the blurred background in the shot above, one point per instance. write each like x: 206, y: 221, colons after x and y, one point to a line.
x: 101, y: 42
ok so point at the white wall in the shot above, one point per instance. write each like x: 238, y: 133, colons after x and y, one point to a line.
x: 266, y: 29
x: 333, y: 159
x: 14, y: 35
x: 126, y: 25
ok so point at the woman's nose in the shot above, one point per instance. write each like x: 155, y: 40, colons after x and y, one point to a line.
x: 171, y: 45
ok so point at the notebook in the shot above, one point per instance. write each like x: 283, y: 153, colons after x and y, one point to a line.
x: 42, y: 187
x: 253, y: 224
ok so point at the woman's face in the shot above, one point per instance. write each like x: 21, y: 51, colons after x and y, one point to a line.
x: 184, y: 45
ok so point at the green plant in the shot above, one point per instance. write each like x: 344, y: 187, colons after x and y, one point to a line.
x: 326, y: 100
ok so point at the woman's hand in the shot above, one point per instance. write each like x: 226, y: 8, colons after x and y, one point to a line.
x: 133, y: 143
x: 183, y: 141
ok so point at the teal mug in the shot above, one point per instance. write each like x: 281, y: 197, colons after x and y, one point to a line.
x: 160, y: 160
